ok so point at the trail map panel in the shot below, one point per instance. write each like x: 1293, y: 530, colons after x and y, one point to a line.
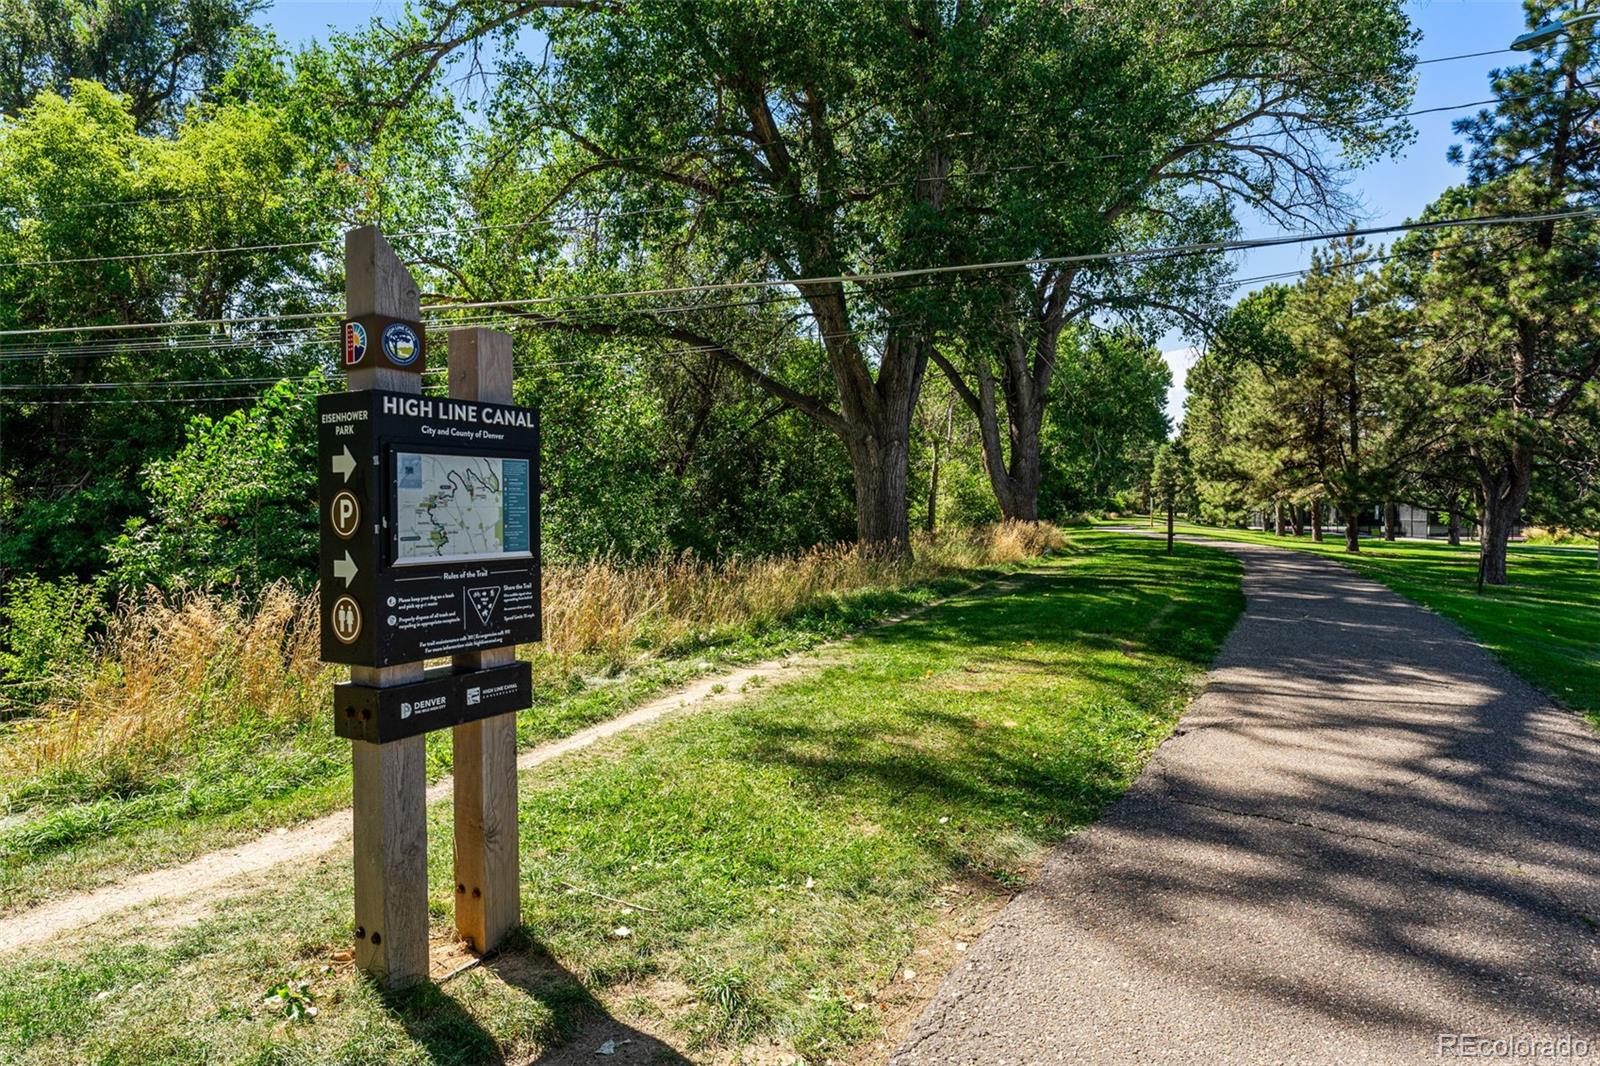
x: 430, y: 526
x: 451, y: 508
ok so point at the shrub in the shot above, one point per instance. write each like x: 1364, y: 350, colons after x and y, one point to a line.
x: 44, y: 642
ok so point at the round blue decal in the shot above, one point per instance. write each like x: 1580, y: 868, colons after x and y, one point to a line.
x: 401, y: 343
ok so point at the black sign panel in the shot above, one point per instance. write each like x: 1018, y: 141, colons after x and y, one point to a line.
x: 430, y: 526
x: 443, y: 698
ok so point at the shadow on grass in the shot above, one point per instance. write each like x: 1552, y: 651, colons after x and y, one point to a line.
x: 1367, y: 822
x: 560, y: 1015
x: 1114, y: 638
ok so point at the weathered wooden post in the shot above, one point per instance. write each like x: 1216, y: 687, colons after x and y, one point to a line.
x: 430, y: 550
x: 488, y: 889
x: 390, y: 780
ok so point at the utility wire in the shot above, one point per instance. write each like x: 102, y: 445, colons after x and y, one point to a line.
x: 1137, y: 255
x: 274, y: 338
x: 723, y: 205
x: 514, y: 322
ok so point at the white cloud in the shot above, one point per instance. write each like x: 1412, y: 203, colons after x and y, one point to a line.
x: 1179, y: 360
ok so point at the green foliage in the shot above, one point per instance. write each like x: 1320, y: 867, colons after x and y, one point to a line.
x: 81, y: 182
x: 1513, y: 316
x: 44, y: 638
x: 160, y: 53
x: 1171, y: 483
x: 236, y: 506
x: 293, y: 999
x: 1100, y: 434
x: 1566, y: 487
x: 644, y: 454
x: 1312, y: 394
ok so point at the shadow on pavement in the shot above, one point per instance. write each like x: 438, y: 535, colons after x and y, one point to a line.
x: 1365, y: 834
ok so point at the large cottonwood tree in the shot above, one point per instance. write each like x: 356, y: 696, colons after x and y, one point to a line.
x: 796, y: 144
x: 1267, y: 106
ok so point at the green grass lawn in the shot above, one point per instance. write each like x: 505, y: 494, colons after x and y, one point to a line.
x: 264, y: 773
x: 784, y: 856
x: 1544, y: 625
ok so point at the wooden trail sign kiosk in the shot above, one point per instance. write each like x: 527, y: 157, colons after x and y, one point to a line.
x: 429, y: 550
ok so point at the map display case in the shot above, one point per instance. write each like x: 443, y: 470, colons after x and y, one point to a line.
x: 430, y: 526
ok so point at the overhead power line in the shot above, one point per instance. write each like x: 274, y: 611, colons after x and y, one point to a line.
x: 514, y: 322
x: 1169, y: 251
x: 271, y: 338
x: 1159, y: 252
x: 579, y: 215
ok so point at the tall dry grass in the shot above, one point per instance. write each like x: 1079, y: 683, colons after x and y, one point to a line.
x: 176, y: 668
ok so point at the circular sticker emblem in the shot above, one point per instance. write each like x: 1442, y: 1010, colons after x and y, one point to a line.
x: 345, y: 514
x: 401, y: 344
x: 355, y: 342
x: 346, y: 619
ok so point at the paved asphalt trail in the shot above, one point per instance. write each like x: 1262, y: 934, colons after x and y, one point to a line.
x: 1364, y: 834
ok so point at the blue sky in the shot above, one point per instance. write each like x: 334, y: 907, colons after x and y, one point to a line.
x: 1395, y: 190
x: 1391, y: 191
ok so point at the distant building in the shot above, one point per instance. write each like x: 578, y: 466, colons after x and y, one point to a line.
x: 1414, y: 522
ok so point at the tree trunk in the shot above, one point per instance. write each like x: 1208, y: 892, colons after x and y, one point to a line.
x: 932, y: 523
x: 1297, y: 520
x: 1452, y: 529
x: 883, y: 522
x: 1504, y: 496
x: 1012, y: 461
x: 1172, y: 509
x: 1316, y: 521
x: 874, y: 414
x: 1277, y: 518
x: 1391, y: 521
x: 1503, y: 486
x: 1352, y: 533
x: 1013, y: 471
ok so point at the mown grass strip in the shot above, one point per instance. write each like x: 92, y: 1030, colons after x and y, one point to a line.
x: 260, y: 772
x: 784, y: 853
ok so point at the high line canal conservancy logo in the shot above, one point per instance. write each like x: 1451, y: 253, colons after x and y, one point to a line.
x: 401, y: 343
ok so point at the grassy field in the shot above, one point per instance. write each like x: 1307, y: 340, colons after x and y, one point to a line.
x: 1544, y: 625
x: 792, y: 864
x: 196, y: 724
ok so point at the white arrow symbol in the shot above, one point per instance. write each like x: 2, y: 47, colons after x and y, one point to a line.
x: 345, y: 568
x: 344, y: 464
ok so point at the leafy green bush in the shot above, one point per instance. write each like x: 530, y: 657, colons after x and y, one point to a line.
x: 236, y: 506
x: 45, y: 639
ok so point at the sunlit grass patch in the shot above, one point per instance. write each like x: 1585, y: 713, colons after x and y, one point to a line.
x: 770, y: 865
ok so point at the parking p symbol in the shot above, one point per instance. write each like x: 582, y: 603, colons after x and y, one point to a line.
x: 345, y: 514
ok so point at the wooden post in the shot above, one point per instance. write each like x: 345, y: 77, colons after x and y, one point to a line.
x: 391, y: 828
x: 488, y: 884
